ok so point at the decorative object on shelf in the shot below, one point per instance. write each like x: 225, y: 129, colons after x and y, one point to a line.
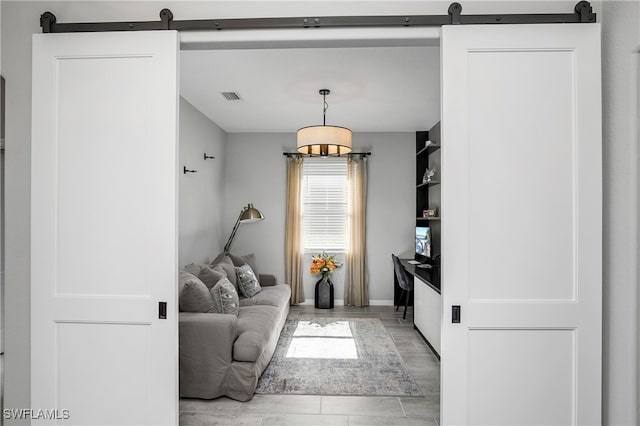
x: 428, y: 175
x: 428, y: 143
x: 209, y: 157
x: 324, y: 264
x: 185, y: 170
x: 324, y: 140
x: 430, y: 213
x: 247, y: 215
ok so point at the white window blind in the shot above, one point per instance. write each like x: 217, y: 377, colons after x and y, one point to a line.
x: 325, y: 204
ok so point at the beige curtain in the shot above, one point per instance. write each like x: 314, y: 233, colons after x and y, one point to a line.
x: 356, y: 291
x: 293, y: 232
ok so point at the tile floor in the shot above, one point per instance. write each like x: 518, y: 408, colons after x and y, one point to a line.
x: 316, y: 410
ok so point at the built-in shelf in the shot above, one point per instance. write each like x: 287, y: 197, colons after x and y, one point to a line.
x: 428, y: 218
x: 428, y: 184
x: 428, y: 150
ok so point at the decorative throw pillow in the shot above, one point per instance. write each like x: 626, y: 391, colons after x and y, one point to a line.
x: 225, y: 298
x: 194, y: 268
x: 193, y: 295
x: 247, y: 281
x: 210, y: 275
x: 249, y: 259
x: 227, y: 265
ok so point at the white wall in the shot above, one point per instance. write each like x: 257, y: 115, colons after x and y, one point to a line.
x: 256, y: 172
x: 621, y: 77
x: 201, y: 194
x: 20, y: 20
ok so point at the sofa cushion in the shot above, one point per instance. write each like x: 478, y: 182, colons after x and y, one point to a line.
x: 209, y: 275
x: 225, y: 297
x: 247, y: 281
x: 227, y: 265
x: 194, y: 268
x: 277, y: 295
x: 193, y: 295
x: 239, y: 260
x: 256, y: 326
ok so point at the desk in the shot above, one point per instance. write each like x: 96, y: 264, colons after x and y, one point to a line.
x: 429, y: 276
x: 427, y: 304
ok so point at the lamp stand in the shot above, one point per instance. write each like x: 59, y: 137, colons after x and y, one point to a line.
x: 233, y: 234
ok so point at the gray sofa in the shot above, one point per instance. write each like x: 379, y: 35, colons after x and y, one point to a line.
x: 224, y: 354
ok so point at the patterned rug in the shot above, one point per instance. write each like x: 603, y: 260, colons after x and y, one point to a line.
x: 331, y: 356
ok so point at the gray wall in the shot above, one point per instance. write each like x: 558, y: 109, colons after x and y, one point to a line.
x: 256, y: 172
x: 20, y: 20
x: 620, y: 78
x: 201, y: 193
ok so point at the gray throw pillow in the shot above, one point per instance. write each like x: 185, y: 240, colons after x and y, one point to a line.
x: 210, y: 275
x: 193, y: 295
x: 247, y: 281
x: 249, y: 259
x: 227, y: 265
x: 194, y: 268
x: 225, y: 298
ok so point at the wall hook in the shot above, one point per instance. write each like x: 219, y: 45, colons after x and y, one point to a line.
x: 185, y: 170
x: 208, y: 157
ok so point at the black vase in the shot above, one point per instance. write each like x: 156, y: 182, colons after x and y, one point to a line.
x: 324, y: 294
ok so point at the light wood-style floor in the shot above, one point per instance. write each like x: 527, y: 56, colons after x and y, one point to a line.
x: 315, y: 410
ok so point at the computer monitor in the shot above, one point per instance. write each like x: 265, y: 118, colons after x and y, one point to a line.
x: 423, y: 244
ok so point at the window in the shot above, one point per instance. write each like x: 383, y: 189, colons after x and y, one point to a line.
x: 325, y: 204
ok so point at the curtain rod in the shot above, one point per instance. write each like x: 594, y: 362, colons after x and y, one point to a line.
x: 297, y: 154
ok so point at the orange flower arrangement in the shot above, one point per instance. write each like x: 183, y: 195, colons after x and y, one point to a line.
x: 323, y: 264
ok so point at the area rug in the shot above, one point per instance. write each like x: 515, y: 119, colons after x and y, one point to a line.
x: 331, y: 356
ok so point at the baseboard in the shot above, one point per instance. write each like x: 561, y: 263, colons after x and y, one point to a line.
x: 340, y: 302
x: 381, y: 303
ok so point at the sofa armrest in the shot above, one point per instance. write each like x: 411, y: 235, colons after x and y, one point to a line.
x: 267, y: 280
x: 207, y: 338
x: 206, y: 352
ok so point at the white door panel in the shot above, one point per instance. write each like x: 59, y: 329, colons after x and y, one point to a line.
x: 522, y: 224
x: 104, y: 226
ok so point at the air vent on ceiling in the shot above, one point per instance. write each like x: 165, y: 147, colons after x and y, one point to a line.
x: 231, y: 96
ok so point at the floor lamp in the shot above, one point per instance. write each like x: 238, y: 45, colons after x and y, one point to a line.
x: 247, y: 215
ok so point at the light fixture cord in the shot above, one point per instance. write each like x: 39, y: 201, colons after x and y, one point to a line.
x: 324, y: 109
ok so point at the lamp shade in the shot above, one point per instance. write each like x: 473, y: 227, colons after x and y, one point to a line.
x: 324, y: 140
x: 247, y: 215
x: 250, y: 214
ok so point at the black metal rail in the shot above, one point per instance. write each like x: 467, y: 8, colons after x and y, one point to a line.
x: 583, y: 13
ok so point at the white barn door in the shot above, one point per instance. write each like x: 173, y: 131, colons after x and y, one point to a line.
x: 522, y: 224
x: 104, y: 227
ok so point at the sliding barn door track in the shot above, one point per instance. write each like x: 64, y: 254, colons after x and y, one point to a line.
x: 583, y: 14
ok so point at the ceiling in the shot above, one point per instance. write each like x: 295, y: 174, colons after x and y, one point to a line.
x: 373, y: 89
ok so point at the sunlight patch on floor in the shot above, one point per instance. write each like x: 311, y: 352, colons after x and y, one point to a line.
x: 334, y: 329
x: 332, y: 341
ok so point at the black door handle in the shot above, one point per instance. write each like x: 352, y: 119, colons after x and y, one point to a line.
x: 162, y: 310
x: 455, y: 314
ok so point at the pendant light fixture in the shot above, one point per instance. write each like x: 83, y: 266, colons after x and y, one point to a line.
x: 324, y: 140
